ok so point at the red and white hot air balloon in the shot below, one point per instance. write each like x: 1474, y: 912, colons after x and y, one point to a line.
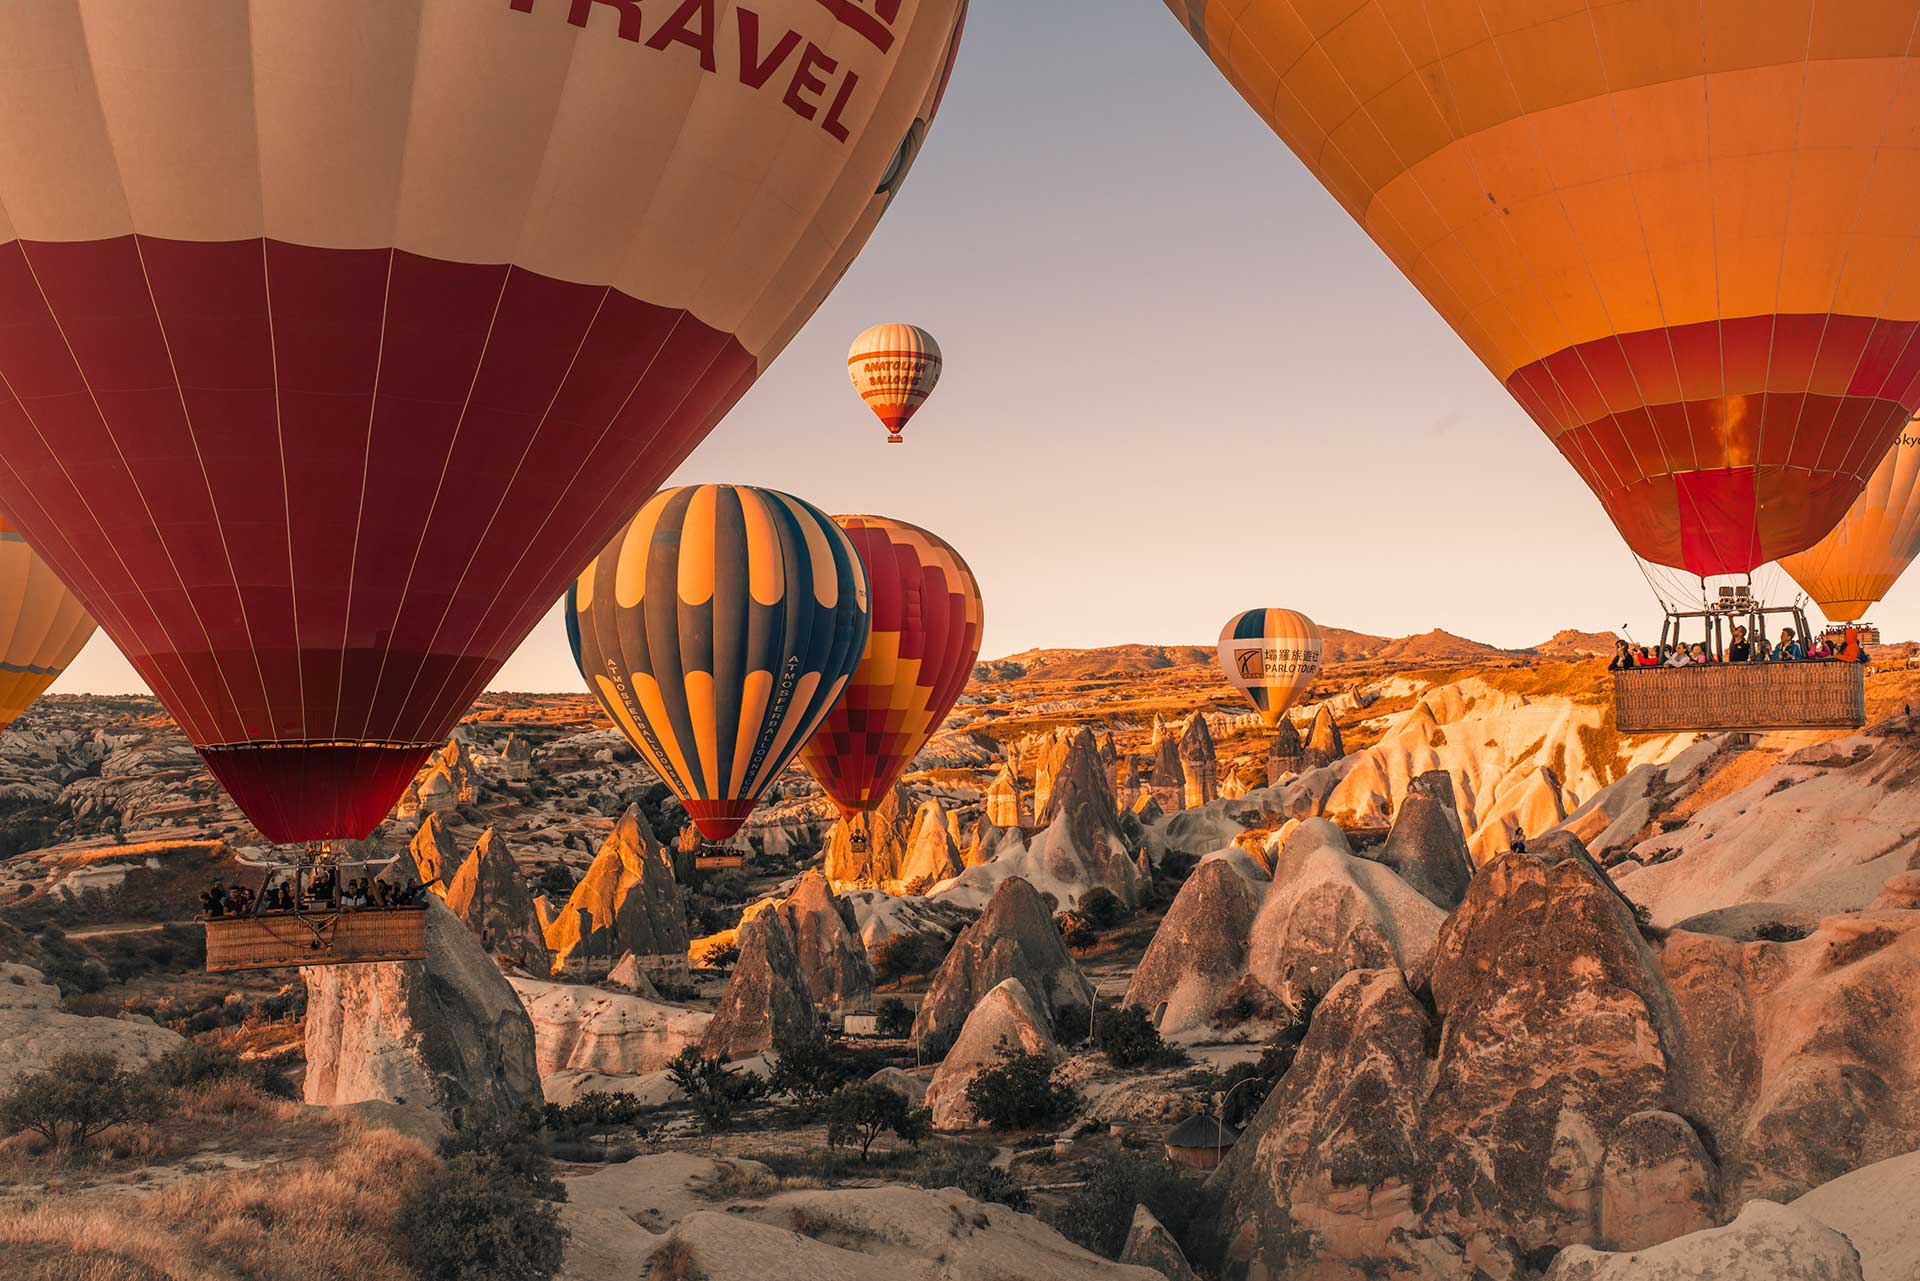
x: 894, y: 368
x: 336, y: 336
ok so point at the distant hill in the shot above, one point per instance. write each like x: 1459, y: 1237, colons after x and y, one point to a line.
x: 1568, y: 643
x: 1432, y: 649
x: 1438, y: 647
x: 1081, y: 664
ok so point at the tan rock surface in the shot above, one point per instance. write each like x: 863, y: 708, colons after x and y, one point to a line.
x: 1005, y: 1019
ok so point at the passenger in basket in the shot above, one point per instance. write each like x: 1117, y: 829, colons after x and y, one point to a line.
x: 1788, y: 650
x: 1739, y: 651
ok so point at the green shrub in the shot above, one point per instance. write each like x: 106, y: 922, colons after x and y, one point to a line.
x: 896, y: 1017
x: 80, y: 1094
x: 904, y: 955
x: 1102, y: 908
x: 199, y: 1062
x: 861, y: 1111
x: 720, y: 956
x: 1098, y: 1214
x: 511, y: 1144
x: 596, y: 1110
x: 1075, y: 932
x: 1072, y: 1024
x: 809, y: 1069
x: 1128, y: 1038
x: 473, y: 1218
x: 1020, y: 1093
x: 970, y: 1168
x: 714, y: 1090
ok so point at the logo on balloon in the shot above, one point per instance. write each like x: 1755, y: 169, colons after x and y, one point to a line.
x: 1261, y: 663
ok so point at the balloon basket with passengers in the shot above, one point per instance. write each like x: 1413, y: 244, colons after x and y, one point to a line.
x: 314, y: 914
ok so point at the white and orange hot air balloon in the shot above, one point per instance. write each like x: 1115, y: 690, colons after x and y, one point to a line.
x: 42, y: 625
x: 337, y: 336
x: 894, y: 368
x: 1271, y: 656
x: 1855, y: 565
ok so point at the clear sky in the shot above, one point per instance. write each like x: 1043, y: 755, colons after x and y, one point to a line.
x: 1180, y: 382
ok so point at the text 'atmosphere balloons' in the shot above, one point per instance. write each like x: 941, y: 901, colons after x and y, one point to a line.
x: 1681, y: 234
x: 927, y: 617
x: 1271, y: 656
x: 894, y: 368
x: 336, y: 336
x: 716, y: 630
x: 1855, y: 565
x: 42, y: 625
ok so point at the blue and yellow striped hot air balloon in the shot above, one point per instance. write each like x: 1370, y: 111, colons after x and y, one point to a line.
x: 1271, y: 656
x: 718, y: 629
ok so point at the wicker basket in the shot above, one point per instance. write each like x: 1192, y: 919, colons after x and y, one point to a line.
x: 1741, y: 696
x: 357, y: 936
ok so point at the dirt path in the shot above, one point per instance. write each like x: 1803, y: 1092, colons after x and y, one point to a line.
x: 134, y: 927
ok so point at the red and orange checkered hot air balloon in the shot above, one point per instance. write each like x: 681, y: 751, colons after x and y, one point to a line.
x: 925, y: 637
x: 1681, y: 232
x: 894, y: 368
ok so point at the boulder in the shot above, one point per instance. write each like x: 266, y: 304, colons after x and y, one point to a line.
x: 1427, y: 849
x: 1877, y: 1209
x: 1004, y: 1020
x: 1328, y: 912
x: 1150, y: 1245
x: 1015, y: 938
x: 578, y: 1028
x: 35, y: 1030
x: 490, y: 895
x: 448, y: 1032
x: 767, y: 1000
x: 1767, y: 1241
x: 1200, y: 949
x: 905, y: 1084
x: 868, y: 848
x: 1656, y: 1183
x: 831, y: 955
x: 628, y: 902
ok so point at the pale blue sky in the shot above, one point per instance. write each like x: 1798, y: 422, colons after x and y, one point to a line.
x: 1180, y: 382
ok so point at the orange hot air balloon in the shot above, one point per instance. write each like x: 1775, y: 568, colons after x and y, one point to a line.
x: 1858, y: 563
x: 1271, y: 656
x: 925, y: 636
x: 42, y: 625
x: 894, y: 368
x: 1680, y: 233
x: 336, y: 336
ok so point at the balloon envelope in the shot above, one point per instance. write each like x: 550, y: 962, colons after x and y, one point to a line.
x: 1271, y: 656
x: 927, y: 617
x: 1679, y: 233
x: 42, y: 625
x: 895, y: 369
x: 716, y: 630
x: 1854, y: 566
x: 336, y: 336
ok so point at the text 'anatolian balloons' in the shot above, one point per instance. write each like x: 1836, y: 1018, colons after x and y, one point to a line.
x: 337, y: 335
x: 717, y: 629
x: 1858, y: 563
x: 1681, y: 234
x: 894, y: 368
x: 1271, y: 656
x: 927, y: 617
x: 42, y: 625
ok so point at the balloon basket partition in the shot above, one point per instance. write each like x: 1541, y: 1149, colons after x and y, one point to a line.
x: 1741, y: 696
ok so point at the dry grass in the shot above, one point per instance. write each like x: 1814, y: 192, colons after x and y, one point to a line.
x: 674, y: 1262
x: 300, y: 1221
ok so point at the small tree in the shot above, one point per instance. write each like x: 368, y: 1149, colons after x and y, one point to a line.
x: 1102, y: 908
x: 1128, y: 1038
x: 904, y: 955
x: 860, y: 1112
x: 1021, y: 1092
x: 80, y: 1094
x: 1075, y: 932
x: 896, y: 1017
x: 808, y: 1068
x: 472, y: 1218
x: 1098, y: 1214
x: 711, y: 1087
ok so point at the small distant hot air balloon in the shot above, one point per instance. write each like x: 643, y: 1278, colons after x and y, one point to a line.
x: 895, y: 369
x: 717, y: 629
x: 1860, y: 560
x: 42, y: 625
x: 1271, y: 656
x: 926, y: 635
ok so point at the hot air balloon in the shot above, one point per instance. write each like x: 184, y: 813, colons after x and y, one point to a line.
x: 337, y: 336
x: 1865, y: 554
x: 927, y: 617
x: 42, y: 625
x: 1271, y: 656
x: 717, y: 629
x: 894, y: 368
x: 1680, y: 234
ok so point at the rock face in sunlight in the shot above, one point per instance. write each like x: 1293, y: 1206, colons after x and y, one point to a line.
x: 1426, y: 847
x: 1199, y: 951
x: 1199, y: 765
x: 1767, y: 1240
x: 1286, y: 754
x: 445, y: 1033
x: 767, y: 1000
x: 580, y: 1028
x: 1324, y: 744
x: 1014, y: 938
x: 1005, y: 1019
x: 831, y: 957
x: 435, y: 856
x: 35, y: 1030
x: 627, y: 903
x: 869, y: 848
x: 932, y: 854
x: 490, y: 895
x: 1006, y: 800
